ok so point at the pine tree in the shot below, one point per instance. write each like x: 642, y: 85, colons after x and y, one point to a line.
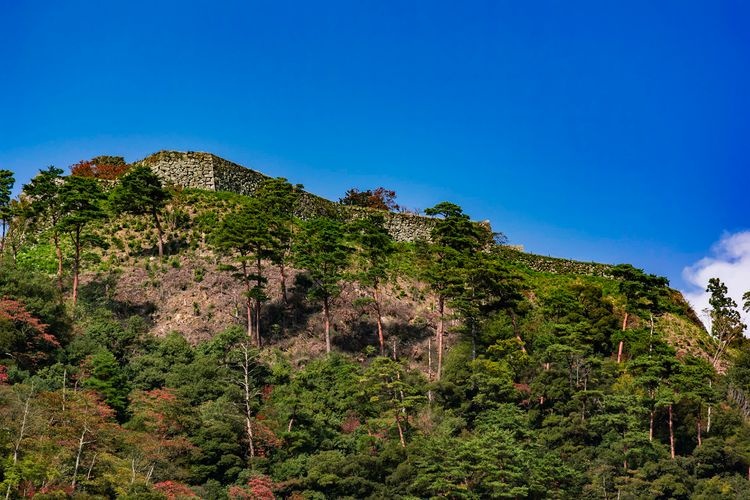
x: 279, y: 200
x: 140, y: 192
x: 245, y: 235
x: 726, y: 324
x: 6, y: 186
x: 46, y: 209
x: 324, y: 254
x: 455, y: 238
x: 374, y: 248
x: 81, y: 201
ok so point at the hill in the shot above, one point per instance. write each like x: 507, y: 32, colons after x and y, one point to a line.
x: 458, y: 367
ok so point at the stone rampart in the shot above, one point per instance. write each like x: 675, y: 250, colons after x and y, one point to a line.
x: 212, y: 173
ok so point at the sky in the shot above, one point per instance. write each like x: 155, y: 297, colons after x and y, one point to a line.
x: 599, y: 131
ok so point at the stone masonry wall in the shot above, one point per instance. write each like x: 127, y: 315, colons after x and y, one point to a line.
x: 209, y: 172
x: 192, y: 170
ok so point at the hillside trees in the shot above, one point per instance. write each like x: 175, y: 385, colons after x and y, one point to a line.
x: 279, y: 199
x: 455, y: 239
x: 46, y: 209
x: 641, y: 292
x: 245, y: 234
x: 726, y: 324
x: 374, y: 247
x: 6, y: 186
x: 81, y: 201
x: 322, y: 252
x: 140, y: 192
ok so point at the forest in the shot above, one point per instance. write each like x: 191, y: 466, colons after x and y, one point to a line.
x: 349, y: 365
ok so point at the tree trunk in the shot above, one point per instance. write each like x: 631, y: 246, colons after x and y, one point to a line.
x: 671, y: 432
x: 327, y: 315
x: 708, y: 420
x: 248, y: 397
x: 400, y: 432
x: 700, y: 441
x: 651, y: 426
x: 440, y: 332
x: 76, y: 264
x: 58, y: 253
x: 21, y: 432
x: 258, y: 283
x: 517, y: 333
x: 619, y: 348
x: 429, y: 359
x: 248, y: 302
x: 91, y: 467
x: 160, y: 233
x: 651, y: 335
x: 81, y: 442
x: 282, y: 271
x: 379, y: 319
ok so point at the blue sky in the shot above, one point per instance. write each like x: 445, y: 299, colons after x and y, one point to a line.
x: 607, y: 131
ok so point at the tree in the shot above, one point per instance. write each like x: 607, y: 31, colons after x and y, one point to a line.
x: 101, y: 167
x: 489, y: 288
x: 374, y: 247
x: 324, y: 254
x: 379, y: 198
x: 385, y: 385
x: 245, y: 234
x: 455, y: 239
x: 726, y: 324
x: 22, y: 335
x: 44, y: 192
x: 641, y: 292
x: 109, y: 380
x: 279, y: 199
x: 6, y: 186
x: 140, y: 192
x: 80, y: 199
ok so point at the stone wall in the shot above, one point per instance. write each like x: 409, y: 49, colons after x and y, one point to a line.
x: 192, y: 170
x: 209, y: 172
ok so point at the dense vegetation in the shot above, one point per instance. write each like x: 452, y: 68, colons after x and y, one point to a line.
x: 519, y: 383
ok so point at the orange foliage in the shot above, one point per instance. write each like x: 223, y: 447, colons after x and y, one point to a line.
x: 86, y: 168
x: 38, y: 340
x: 174, y: 490
x: 258, y: 488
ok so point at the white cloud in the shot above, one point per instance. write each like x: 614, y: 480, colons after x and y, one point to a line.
x: 729, y: 260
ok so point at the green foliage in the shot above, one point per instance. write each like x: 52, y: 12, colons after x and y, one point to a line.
x: 108, y: 379
x: 140, y: 192
x: 6, y: 186
x: 531, y: 403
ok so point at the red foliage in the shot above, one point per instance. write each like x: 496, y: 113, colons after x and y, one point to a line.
x: 86, y: 168
x: 266, y: 392
x: 525, y: 388
x: 258, y: 488
x: 380, y: 198
x: 15, y: 311
x: 30, y: 491
x: 3, y: 374
x: 174, y: 490
x: 350, y: 424
x: 37, y: 339
x: 265, y: 438
x: 159, y: 408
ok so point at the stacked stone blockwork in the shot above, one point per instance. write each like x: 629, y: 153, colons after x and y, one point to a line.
x: 209, y: 172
